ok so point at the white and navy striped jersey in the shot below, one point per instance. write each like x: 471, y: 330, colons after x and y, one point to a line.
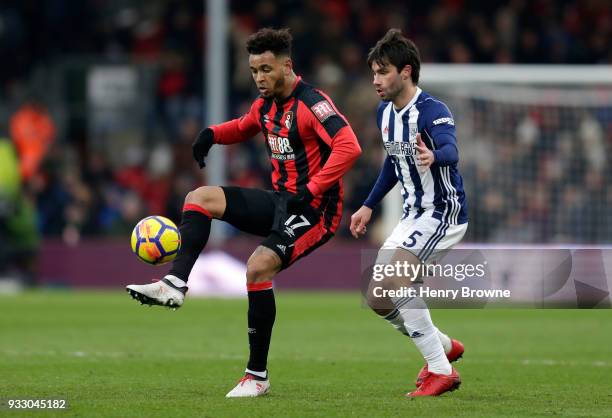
x: 438, y: 188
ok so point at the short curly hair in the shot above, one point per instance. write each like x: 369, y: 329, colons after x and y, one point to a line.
x: 277, y: 41
x: 394, y: 48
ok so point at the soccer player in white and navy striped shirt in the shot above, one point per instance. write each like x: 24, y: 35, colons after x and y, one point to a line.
x: 418, y: 133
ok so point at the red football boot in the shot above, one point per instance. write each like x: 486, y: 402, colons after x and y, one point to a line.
x: 453, y: 355
x: 437, y: 384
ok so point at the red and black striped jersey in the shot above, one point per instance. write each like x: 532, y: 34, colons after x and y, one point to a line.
x: 309, y: 142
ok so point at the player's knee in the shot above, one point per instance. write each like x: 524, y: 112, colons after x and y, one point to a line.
x: 202, y: 196
x: 380, y: 306
x: 210, y: 198
x: 261, y: 268
x: 377, y: 300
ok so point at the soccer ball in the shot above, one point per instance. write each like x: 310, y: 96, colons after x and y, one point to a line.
x: 156, y: 240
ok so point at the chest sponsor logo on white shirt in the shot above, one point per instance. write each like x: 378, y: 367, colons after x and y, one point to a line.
x: 404, y: 149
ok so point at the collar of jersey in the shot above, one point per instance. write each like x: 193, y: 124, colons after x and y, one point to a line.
x: 298, y: 81
x: 409, y: 105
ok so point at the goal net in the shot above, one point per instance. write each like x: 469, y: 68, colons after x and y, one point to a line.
x: 535, y: 145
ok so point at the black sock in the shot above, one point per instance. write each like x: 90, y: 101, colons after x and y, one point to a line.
x: 262, y: 312
x: 194, y: 229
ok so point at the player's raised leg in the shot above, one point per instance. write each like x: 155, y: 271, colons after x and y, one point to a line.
x: 201, y: 206
x: 261, y: 268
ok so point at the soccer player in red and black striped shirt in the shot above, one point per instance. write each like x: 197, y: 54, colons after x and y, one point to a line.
x: 311, y: 146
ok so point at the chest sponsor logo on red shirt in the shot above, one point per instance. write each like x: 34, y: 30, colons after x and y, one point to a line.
x: 323, y: 110
x: 280, y: 147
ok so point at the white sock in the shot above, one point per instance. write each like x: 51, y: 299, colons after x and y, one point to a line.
x: 424, y: 334
x: 396, y: 321
x: 445, y: 340
x: 263, y: 375
x: 175, y: 280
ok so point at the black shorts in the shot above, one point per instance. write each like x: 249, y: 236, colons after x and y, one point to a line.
x: 290, y: 235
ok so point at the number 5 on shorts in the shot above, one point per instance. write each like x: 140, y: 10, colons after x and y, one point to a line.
x: 409, y: 243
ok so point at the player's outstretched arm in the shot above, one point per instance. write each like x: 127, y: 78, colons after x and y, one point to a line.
x: 386, y: 180
x: 230, y: 132
x: 441, y: 130
x: 359, y: 221
x: 345, y: 150
x: 384, y: 183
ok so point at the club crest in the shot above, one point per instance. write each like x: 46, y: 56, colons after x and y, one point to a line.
x: 288, y: 119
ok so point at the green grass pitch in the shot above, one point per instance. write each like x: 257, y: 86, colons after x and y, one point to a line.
x: 108, y: 356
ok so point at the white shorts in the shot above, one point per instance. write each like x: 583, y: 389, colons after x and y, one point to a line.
x: 426, y: 237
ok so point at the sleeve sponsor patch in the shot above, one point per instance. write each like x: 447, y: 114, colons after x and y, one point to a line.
x: 448, y: 121
x: 323, y: 110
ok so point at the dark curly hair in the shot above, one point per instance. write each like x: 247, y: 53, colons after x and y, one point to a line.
x: 394, y: 48
x: 277, y: 41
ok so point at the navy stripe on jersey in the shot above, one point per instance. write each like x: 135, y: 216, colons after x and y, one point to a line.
x: 398, y: 168
x: 414, y: 174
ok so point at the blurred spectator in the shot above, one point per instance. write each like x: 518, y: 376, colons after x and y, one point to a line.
x: 18, y: 235
x: 32, y: 131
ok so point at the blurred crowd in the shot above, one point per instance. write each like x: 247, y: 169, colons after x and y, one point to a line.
x: 82, y: 189
x: 537, y: 173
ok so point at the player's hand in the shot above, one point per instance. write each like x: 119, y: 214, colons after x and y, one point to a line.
x: 425, y: 156
x: 360, y: 220
x: 300, y: 201
x: 291, y: 204
x: 202, y: 144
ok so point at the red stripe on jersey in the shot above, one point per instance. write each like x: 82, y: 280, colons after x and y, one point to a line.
x: 267, y: 121
x: 275, y: 173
